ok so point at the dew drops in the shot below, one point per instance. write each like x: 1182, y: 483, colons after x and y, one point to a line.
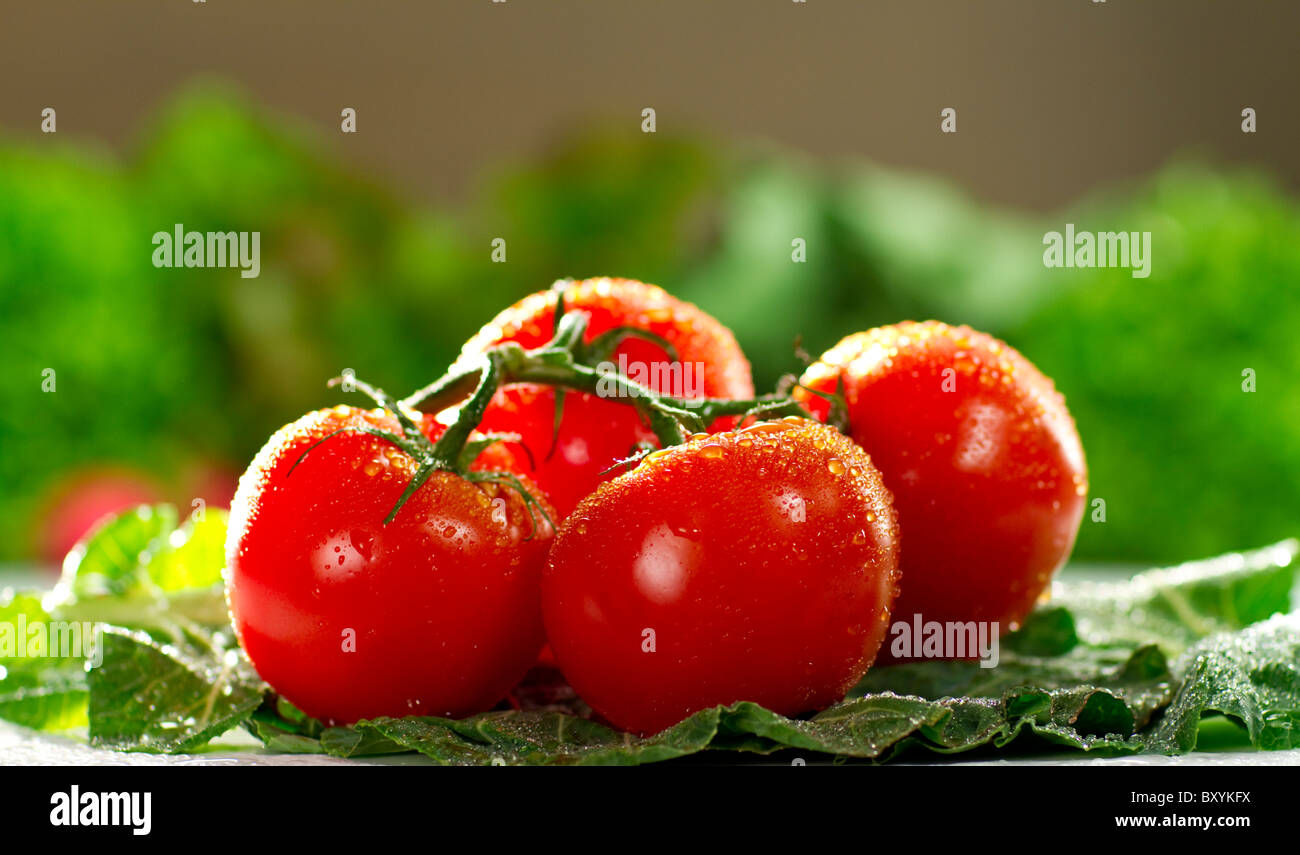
x: 768, y: 427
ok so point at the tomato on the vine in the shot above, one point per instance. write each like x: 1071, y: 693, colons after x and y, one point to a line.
x: 596, y: 433
x: 434, y: 613
x: 982, y: 457
x: 756, y: 565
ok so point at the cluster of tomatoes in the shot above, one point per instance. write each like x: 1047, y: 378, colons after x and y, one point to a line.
x: 937, y: 473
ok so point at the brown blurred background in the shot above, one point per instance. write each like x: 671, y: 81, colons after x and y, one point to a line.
x: 1052, y: 97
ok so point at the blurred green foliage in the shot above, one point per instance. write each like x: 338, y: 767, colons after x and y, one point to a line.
x: 159, y: 368
x: 1153, y: 369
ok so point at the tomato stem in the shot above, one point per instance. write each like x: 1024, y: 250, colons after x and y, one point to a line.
x: 565, y: 363
x: 448, y: 447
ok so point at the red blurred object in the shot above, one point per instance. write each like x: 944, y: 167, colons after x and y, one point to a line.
x: 84, y: 498
x: 212, y: 481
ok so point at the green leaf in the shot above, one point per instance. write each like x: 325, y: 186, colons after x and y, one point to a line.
x: 873, y: 727
x: 19, y: 612
x: 1252, y: 676
x: 144, y: 552
x: 42, y: 685
x: 194, y: 554
x: 109, y: 562
x: 1178, y: 606
x: 358, y: 742
x: 538, y: 738
x: 1048, y: 631
x: 1140, y: 679
x: 148, y: 696
x: 137, y: 570
x: 57, y: 701
x: 141, y: 570
x: 283, y: 741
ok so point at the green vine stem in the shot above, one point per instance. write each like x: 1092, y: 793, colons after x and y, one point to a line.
x: 565, y: 363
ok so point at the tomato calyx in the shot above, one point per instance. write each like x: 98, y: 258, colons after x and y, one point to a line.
x: 601, y: 348
x: 454, y: 451
x: 597, y: 354
x: 838, y: 416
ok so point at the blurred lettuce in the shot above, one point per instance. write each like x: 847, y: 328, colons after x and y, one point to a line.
x: 880, y: 247
x: 160, y: 368
x: 1153, y: 368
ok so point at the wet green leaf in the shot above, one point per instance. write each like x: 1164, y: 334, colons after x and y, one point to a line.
x: 1252, y: 676
x: 147, y: 696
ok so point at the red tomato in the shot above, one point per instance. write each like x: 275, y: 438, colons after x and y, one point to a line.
x: 751, y: 565
x: 595, y: 433
x: 982, y: 457
x: 435, y: 613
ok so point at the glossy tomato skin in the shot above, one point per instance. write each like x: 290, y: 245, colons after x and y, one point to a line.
x: 754, y: 565
x: 436, y: 613
x: 594, y: 432
x: 982, y: 457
